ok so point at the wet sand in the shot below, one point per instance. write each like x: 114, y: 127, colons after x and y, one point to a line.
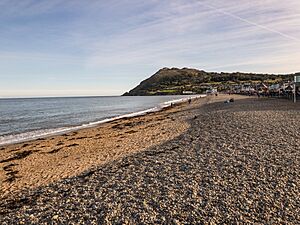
x: 231, y: 163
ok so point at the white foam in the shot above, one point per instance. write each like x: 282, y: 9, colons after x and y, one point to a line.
x: 177, y: 101
x: 32, y: 135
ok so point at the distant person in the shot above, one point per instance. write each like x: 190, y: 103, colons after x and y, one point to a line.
x: 190, y: 100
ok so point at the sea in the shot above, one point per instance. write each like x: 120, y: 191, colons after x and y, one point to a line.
x: 23, y: 119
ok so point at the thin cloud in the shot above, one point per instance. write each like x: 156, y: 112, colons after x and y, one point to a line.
x: 250, y: 22
x: 126, y: 41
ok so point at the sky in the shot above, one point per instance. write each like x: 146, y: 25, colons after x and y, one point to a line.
x: 100, y: 47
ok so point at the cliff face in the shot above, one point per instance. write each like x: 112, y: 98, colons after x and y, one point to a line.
x: 178, y: 81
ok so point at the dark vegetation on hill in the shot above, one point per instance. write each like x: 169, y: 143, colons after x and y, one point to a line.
x: 176, y: 81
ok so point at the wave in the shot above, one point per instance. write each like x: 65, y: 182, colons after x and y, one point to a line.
x: 33, y: 135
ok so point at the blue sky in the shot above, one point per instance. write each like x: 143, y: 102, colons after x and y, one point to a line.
x: 76, y: 47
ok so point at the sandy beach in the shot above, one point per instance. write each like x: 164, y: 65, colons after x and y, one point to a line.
x: 207, y: 162
x: 40, y: 162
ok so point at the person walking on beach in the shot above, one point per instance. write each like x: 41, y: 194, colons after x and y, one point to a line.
x: 190, y: 100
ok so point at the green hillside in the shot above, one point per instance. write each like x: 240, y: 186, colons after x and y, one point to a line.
x: 176, y: 81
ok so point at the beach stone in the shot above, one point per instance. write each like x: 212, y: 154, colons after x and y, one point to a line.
x: 213, y: 173
x: 55, y: 217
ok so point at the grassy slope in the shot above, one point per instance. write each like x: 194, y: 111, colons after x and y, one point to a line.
x: 174, y: 81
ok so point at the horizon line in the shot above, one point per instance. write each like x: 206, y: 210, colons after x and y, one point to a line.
x: 67, y: 96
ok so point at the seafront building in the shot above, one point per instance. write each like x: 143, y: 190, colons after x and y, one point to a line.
x: 288, y: 90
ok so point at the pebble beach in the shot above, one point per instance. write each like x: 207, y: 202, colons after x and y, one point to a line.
x: 208, y: 162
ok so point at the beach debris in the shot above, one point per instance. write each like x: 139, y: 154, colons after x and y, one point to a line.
x: 72, y: 145
x: 19, y: 155
x: 10, y: 172
x: 60, y: 143
x: 224, y: 175
x: 54, y: 151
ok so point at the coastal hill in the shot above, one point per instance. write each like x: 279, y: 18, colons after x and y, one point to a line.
x: 174, y: 81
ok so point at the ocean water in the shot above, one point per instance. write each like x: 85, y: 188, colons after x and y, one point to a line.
x: 30, y: 118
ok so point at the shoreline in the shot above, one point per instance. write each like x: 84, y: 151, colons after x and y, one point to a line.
x: 35, y: 163
x: 235, y: 163
x: 87, y: 125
